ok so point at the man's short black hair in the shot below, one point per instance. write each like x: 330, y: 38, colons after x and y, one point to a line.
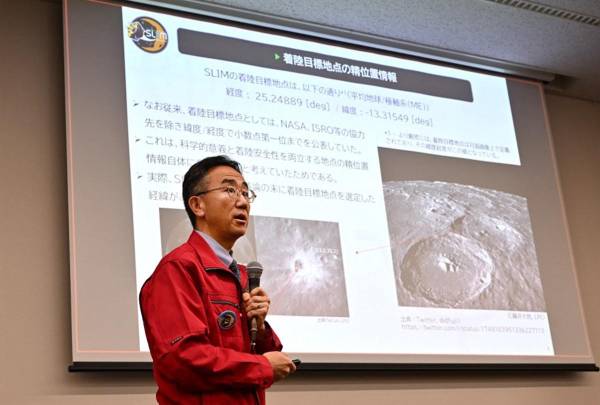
x: 194, y: 178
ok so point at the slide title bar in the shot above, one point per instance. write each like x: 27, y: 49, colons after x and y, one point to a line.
x: 299, y: 61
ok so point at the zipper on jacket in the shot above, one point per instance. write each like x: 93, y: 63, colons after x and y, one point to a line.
x: 240, y: 292
x: 225, y: 303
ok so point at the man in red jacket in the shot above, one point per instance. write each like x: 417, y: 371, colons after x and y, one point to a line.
x: 196, y: 306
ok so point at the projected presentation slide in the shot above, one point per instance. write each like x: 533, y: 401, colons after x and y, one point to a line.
x: 360, y: 243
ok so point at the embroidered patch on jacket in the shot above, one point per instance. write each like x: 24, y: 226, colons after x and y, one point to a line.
x: 226, y: 319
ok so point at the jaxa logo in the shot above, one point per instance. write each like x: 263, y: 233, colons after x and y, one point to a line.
x: 148, y: 34
x: 226, y: 320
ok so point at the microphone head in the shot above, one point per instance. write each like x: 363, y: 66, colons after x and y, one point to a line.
x: 254, y: 270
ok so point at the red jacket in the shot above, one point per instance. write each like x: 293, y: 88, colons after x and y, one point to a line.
x: 198, y: 332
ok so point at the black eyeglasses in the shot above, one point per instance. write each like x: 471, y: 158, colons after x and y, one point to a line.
x: 233, y: 193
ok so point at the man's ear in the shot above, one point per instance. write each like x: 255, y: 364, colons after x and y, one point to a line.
x: 197, y: 206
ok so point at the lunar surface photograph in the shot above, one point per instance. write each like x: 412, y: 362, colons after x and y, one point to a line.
x: 303, y: 269
x: 461, y: 246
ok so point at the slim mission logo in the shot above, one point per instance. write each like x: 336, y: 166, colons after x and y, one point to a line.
x: 148, y: 34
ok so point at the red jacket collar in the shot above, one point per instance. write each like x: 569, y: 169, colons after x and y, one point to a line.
x: 205, y: 252
x: 207, y: 256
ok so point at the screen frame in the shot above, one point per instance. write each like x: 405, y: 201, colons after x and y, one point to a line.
x: 351, y: 43
x: 90, y: 366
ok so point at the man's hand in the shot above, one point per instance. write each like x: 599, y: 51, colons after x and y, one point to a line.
x: 256, y: 304
x: 281, y: 363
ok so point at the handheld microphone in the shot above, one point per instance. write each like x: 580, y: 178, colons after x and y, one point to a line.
x: 254, y: 270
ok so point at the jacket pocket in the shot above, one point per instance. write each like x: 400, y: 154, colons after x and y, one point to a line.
x: 229, y: 319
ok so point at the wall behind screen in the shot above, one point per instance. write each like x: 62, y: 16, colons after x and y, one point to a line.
x: 34, y: 261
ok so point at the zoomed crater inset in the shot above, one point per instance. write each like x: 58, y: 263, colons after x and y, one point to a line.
x: 460, y: 246
x: 304, y: 272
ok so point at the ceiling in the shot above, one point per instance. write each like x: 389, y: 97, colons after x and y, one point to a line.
x: 481, y: 30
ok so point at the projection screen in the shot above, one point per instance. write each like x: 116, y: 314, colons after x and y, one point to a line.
x: 408, y: 212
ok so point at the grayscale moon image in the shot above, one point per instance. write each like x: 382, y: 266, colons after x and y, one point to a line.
x: 302, y: 260
x: 461, y: 246
x: 303, y: 269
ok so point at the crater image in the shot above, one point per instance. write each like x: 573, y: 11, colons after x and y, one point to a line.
x: 461, y: 246
x: 302, y: 260
x: 303, y: 270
